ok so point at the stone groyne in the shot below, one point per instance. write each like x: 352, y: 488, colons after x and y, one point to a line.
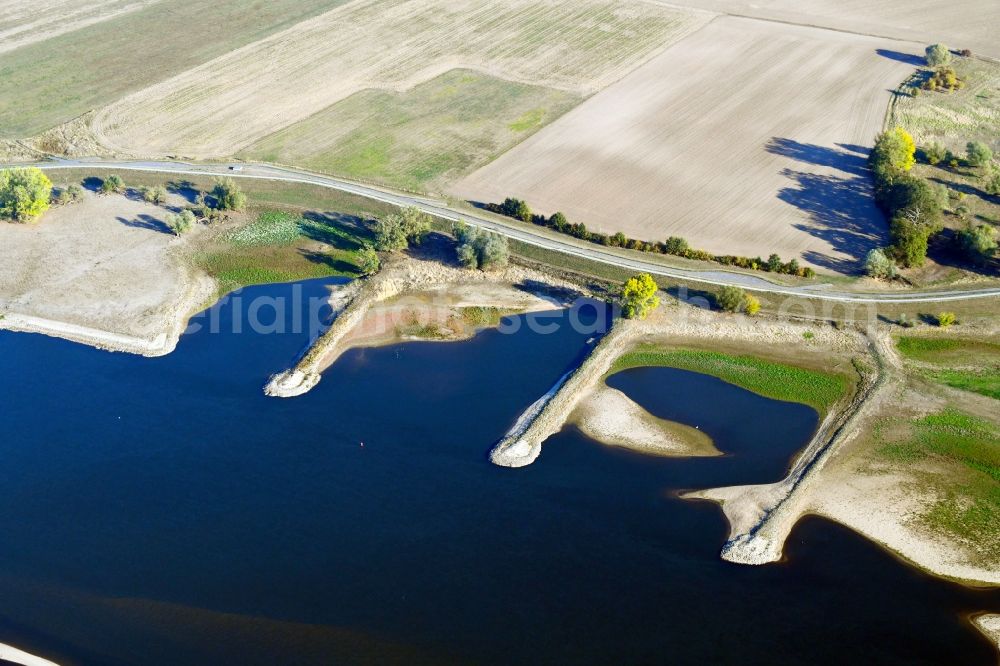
x: 523, y: 443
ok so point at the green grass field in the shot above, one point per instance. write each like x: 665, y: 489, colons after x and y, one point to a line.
x: 969, y: 365
x: 50, y: 82
x: 819, y: 390
x: 283, y: 246
x: 967, y: 449
x: 419, y: 139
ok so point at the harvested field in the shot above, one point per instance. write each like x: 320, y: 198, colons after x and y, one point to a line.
x: 745, y: 138
x: 960, y: 24
x: 580, y: 46
x: 419, y: 139
x: 23, y: 22
x: 50, y: 82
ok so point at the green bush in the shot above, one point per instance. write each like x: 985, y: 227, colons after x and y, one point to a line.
x: 24, y: 194
x: 978, y: 154
x: 937, y: 55
x: 731, y: 299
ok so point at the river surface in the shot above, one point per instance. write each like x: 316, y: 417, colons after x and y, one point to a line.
x: 163, y: 511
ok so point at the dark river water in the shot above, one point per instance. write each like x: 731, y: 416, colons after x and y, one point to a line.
x: 163, y: 511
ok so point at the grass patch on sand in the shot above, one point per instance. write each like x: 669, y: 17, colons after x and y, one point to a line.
x: 967, y: 490
x: 418, y: 139
x: 55, y: 80
x: 484, y: 316
x: 283, y: 246
x: 968, y: 365
x: 819, y: 390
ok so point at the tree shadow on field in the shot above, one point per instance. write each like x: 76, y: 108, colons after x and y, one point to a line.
x: 846, y: 159
x: 898, y: 56
x: 146, y: 222
x: 840, y: 205
x: 92, y: 183
x: 324, y: 259
x: 344, y: 232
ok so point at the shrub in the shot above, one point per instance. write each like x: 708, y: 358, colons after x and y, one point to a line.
x: 228, y: 195
x: 991, y: 179
x: 774, y: 263
x: 937, y: 55
x: 978, y: 154
x: 944, y: 78
x: 24, y: 194
x: 69, y: 194
x: 878, y: 265
x: 731, y: 299
x: 934, y: 153
x: 946, y: 319
x: 639, y: 297
x: 480, y: 249
x: 368, y: 260
x: 965, y: 53
x: 752, y: 305
x: 155, y: 195
x: 979, y: 243
x: 112, y: 183
x: 181, y: 223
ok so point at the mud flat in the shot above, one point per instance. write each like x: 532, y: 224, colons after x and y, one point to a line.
x: 609, y: 416
x: 370, y: 316
x: 105, y: 271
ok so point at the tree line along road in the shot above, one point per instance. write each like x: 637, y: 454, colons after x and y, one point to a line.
x: 512, y: 231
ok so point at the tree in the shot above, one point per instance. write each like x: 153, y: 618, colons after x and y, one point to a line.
x: 946, y: 319
x: 978, y: 154
x: 24, y: 193
x: 389, y: 233
x: 397, y: 230
x: 774, y: 263
x: 878, y: 265
x: 182, y: 222
x: 480, y: 249
x: 893, y: 154
x: 228, y: 195
x: 639, y: 297
x: 558, y: 221
x: 676, y: 245
x: 909, y: 241
x: 979, y: 243
x: 112, y: 183
x: 516, y: 208
x: 368, y: 261
x: 416, y: 224
x: 935, y: 153
x: 731, y: 299
x: 752, y: 305
x: 937, y: 55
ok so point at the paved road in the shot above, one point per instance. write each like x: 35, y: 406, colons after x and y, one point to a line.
x: 511, y: 230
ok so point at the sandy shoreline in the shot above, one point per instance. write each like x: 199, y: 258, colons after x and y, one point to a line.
x: 12, y: 654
